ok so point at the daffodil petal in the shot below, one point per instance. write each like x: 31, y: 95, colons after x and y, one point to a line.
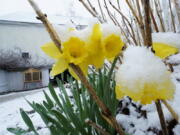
x: 60, y: 66
x: 96, y: 32
x: 119, y: 93
x: 164, y: 50
x: 112, y: 45
x: 51, y: 50
x: 84, y: 68
x: 73, y: 73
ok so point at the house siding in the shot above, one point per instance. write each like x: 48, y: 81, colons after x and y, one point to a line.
x: 14, y: 81
x: 3, y: 81
x: 45, y: 77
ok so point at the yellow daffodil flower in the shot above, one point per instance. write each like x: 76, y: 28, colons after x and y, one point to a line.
x: 73, y: 52
x: 143, y: 77
x: 61, y: 64
x: 112, y: 45
x: 89, y: 51
x: 148, y: 92
x: 164, y: 50
x: 95, y: 51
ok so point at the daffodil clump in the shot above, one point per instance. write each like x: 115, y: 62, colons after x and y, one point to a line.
x: 143, y: 76
x: 83, y: 48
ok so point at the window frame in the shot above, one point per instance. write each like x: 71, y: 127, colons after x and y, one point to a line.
x: 31, y: 72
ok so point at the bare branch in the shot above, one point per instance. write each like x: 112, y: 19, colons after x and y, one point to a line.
x: 148, y: 36
x: 102, y: 14
x: 172, y: 17
x: 91, y: 11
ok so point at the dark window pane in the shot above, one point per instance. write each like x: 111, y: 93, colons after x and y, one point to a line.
x: 25, y: 55
x: 28, y: 77
x: 36, y: 76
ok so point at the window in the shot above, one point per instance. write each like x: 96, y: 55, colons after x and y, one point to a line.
x: 36, y: 76
x: 28, y: 77
x: 25, y: 55
x: 32, y: 75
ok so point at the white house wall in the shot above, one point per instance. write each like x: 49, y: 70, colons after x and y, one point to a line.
x: 3, y: 81
x: 45, y: 77
x: 27, y: 37
x: 15, y: 81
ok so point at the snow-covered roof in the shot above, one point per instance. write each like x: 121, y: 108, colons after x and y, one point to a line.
x: 55, y: 19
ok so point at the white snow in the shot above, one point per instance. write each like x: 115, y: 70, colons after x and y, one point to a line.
x: 169, y: 38
x: 140, y: 66
x: 11, y: 103
x: 10, y: 115
x: 177, y: 130
x: 108, y: 29
x: 65, y: 33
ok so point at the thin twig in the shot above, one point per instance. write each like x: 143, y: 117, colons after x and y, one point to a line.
x: 161, y: 117
x: 97, y: 127
x: 139, y: 21
x: 124, y: 18
x: 154, y: 21
x: 139, y: 10
x: 172, y: 17
x: 110, y: 15
x: 90, y: 11
x: 92, y: 7
x: 177, y: 6
x: 171, y: 110
x: 159, y: 15
x: 102, y: 14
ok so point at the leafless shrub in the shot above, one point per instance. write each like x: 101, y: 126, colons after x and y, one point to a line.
x: 12, y: 59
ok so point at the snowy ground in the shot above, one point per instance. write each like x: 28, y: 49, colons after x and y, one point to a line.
x: 9, y: 110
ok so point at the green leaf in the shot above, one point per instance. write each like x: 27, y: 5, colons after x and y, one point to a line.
x: 48, y: 99
x: 17, y: 131
x: 54, y: 95
x: 28, y: 121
